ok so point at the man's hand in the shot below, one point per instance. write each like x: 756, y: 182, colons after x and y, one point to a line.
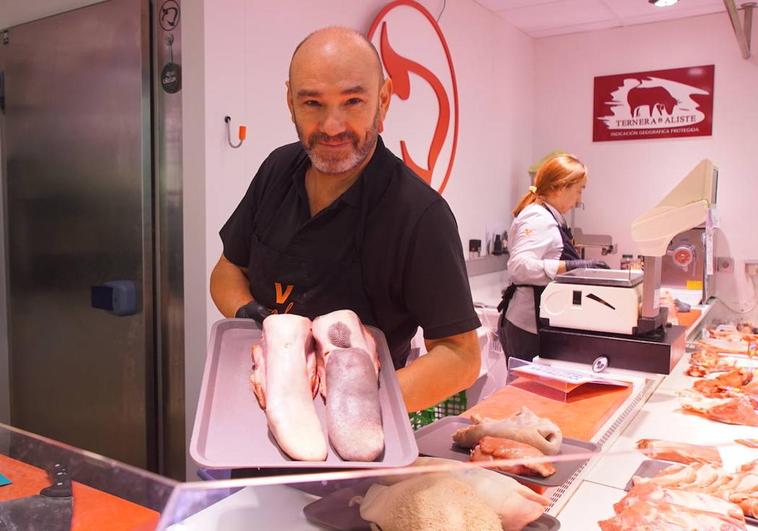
x: 450, y: 365
x: 586, y: 264
x: 253, y: 310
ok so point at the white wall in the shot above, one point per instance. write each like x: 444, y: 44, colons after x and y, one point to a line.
x: 629, y: 177
x: 249, y: 44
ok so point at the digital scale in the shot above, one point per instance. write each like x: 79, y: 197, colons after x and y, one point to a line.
x: 610, y: 317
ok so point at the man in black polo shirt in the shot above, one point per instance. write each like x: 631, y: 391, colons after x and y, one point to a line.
x: 336, y: 221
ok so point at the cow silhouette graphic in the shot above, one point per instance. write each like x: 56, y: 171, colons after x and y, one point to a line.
x: 653, y: 98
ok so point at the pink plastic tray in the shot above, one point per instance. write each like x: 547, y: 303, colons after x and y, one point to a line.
x: 230, y: 428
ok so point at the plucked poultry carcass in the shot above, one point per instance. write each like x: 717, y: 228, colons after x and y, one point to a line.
x: 284, y: 375
x: 492, y: 448
x: 348, y: 368
x: 514, y: 504
x: 524, y: 426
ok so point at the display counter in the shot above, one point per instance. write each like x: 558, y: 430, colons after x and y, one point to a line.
x: 573, y: 489
x: 89, y: 492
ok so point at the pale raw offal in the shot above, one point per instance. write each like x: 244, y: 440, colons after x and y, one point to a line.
x: 283, y: 384
x: 524, y: 426
x: 348, y: 368
x: 353, y: 414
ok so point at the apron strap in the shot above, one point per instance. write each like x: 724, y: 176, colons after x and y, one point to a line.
x: 511, y: 290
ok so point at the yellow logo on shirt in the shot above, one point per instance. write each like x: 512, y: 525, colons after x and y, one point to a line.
x: 528, y: 232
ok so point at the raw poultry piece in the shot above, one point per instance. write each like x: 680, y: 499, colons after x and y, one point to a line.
x: 515, y: 504
x: 733, y: 410
x: 704, y: 362
x: 721, y: 345
x: 740, y: 487
x: 662, y: 516
x: 692, y: 500
x: 492, y: 448
x: 348, y: 367
x: 679, y: 452
x: 283, y: 386
x: 724, y: 385
x: 524, y: 426
x: 752, y: 466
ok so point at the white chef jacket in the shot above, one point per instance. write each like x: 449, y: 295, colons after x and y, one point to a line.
x: 535, y: 245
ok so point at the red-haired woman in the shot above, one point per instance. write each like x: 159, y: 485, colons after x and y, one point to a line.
x: 541, y: 246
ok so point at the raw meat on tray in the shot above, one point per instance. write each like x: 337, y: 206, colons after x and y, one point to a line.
x: 283, y: 376
x: 524, y: 426
x: 334, y: 354
x: 679, y: 452
x: 348, y: 367
x: 493, y: 448
x: 462, y: 498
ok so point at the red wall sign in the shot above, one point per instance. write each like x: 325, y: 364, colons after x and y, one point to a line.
x: 655, y: 104
x: 402, y: 70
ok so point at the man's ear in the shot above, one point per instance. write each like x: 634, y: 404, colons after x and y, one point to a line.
x: 290, y: 103
x: 385, y: 95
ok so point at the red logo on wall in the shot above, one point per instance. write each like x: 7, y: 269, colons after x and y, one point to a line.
x: 655, y: 104
x: 405, y: 21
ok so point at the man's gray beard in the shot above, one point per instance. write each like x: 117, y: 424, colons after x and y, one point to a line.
x: 342, y: 165
x: 354, y: 158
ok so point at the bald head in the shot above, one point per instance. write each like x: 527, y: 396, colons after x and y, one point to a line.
x: 340, y: 45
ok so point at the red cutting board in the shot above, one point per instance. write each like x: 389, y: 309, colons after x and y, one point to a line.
x: 93, y: 509
x: 587, y: 409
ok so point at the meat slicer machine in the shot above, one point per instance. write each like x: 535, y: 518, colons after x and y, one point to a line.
x: 614, y: 317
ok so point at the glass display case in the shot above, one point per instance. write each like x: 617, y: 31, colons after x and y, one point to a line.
x: 47, y: 485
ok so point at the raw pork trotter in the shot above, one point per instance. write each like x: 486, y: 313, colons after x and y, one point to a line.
x: 348, y: 366
x: 524, y: 426
x: 283, y: 381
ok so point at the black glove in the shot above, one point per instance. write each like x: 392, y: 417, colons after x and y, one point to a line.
x: 253, y: 310
x: 587, y: 264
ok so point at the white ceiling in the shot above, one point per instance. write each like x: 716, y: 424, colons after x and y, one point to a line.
x: 542, y: 18
x: 536, y: 18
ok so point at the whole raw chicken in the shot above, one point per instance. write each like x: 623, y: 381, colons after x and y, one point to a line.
x: 514, y: 504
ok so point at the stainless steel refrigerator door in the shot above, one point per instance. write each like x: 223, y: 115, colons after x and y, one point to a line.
x: 169, y: 264
x: 79, y: 214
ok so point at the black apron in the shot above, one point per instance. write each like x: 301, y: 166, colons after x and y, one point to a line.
x: 569, y: 252
x: 288, y: 282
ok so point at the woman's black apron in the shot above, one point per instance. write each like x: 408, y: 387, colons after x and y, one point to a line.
x: 569, y: 252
